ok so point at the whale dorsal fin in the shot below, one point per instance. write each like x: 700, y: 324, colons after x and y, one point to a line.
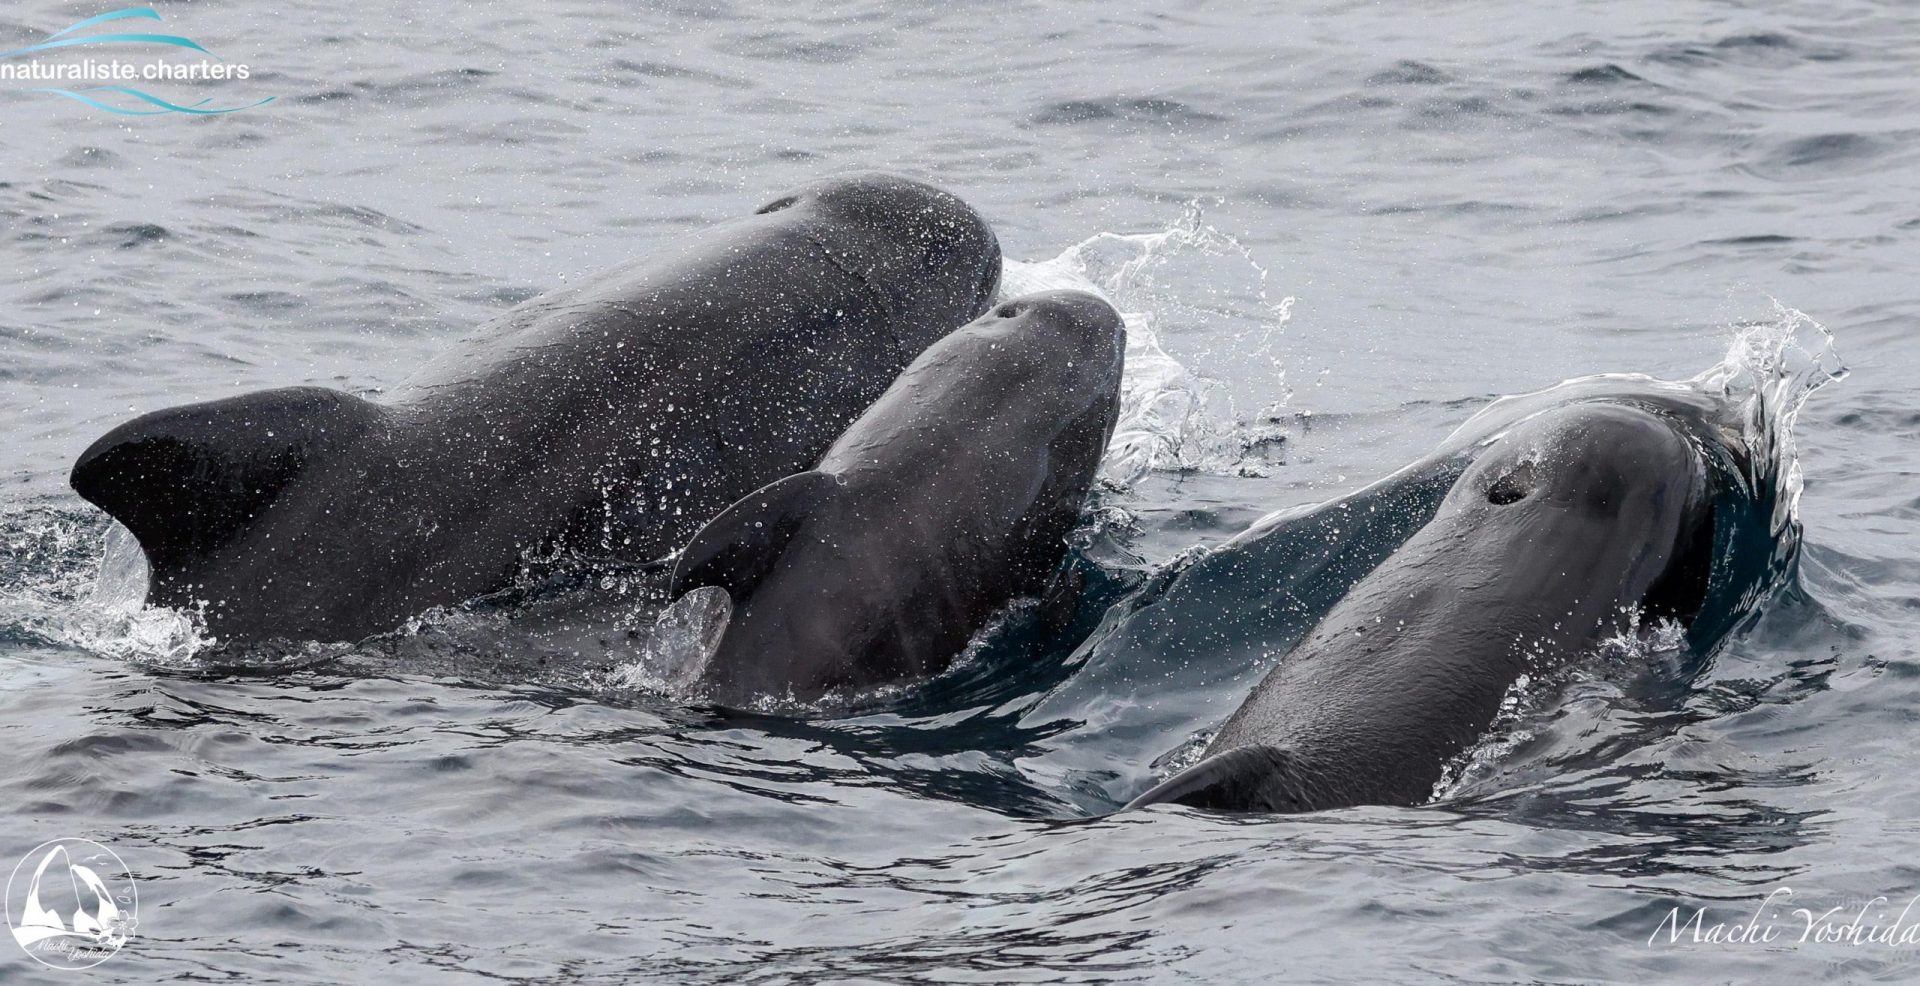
x: 185, y: 480
x: 738, y: 548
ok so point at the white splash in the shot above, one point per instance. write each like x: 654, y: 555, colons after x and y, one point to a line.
x: 678, y: 647
x: 1638, y: 646
x: 85, y: 586
x: 1173, y: 416
x: 1771, y: 368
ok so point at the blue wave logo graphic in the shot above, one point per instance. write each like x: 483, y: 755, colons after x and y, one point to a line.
x: 61, y: 40
x: 165, y: 107
x: 53, y: 41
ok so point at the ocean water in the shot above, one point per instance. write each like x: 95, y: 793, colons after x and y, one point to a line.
x: 1339, y: 231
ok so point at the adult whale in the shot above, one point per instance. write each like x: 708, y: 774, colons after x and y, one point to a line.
x: 1558, y: 534
x: 951, y: 496
x: 612, y: 416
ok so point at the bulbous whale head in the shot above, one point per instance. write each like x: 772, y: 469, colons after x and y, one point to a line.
x: 1566, y: 531
x: 926, y: 251
x: 951, y: 495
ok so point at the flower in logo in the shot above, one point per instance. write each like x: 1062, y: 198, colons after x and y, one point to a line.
x: 120, y: 928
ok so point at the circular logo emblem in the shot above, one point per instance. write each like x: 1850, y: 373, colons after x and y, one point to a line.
x: 71, y: 904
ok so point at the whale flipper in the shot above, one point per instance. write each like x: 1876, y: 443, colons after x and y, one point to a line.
x: 739, y: 547
x: 186, y: 480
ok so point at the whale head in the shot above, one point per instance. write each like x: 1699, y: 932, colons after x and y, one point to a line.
x: 922, y: 249
x: 952, y: 494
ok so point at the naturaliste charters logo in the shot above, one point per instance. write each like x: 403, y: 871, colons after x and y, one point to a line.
x: 71, y: 904
x: 65, y: 57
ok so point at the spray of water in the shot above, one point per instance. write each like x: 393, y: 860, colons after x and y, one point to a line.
x: 76, y: 579
x: 1771, y: 368
x: 1194, y: 290
x: 677, y: 647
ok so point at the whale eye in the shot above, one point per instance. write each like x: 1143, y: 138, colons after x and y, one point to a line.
x: 776, y: 205
x: 1513, y: 487
x: 1009, y: 310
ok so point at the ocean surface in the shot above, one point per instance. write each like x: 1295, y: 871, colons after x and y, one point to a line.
x: 1339, y: 230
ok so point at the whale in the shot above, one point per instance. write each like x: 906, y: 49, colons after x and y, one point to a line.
x: 610, y: 418
x: 951, y: 496
x: 1579, y: 524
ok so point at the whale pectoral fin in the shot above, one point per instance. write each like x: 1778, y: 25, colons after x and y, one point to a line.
x: 186, y: 480
x: 738, y: 548
x: 1246, y: 778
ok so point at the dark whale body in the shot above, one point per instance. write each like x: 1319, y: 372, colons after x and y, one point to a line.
x: 951, y: 496
x: 1552, y: 537
x: 611, y: 417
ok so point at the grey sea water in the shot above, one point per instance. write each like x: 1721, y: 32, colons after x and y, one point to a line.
x: 1339, y: 230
